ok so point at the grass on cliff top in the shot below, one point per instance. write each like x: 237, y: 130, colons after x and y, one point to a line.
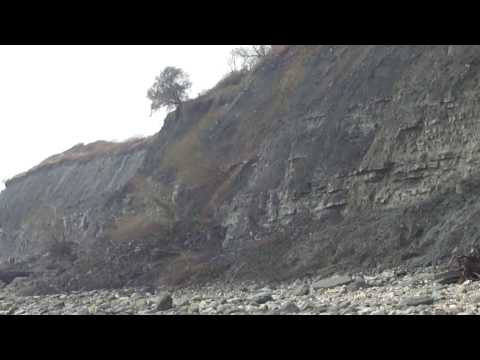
x: 82, y: 152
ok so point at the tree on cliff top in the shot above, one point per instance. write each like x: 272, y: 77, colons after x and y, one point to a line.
x: 245, y: 58
x: 170, y: 89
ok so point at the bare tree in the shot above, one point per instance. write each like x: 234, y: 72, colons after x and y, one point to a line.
x: 245, y: 58
x: 261, y: 50
x: 170, y: 89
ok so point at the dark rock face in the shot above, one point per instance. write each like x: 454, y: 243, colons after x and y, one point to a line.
x: 325, y: 157
x: 7, y: 277
x: 72, y: 195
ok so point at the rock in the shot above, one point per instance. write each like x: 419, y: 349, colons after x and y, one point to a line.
x: 83, y: 311
x: 357, y: 284
x: 273, y: 312
x: 149, y: 289
x: 321, y: 308
x: 290, y: 307
x: 396, y: 298
x: 343, y: 304
x: 251, y: 309
x: 5, y: 306
x: 194, y: 309
x: 418, y: 300
x: 376, y: 281
x: 333, y: 281
x: 234, y: 300
x: 262, y: 298
x: 92, y: 309
x: 11, y: 310
x: 164, y: 302
x: 364, y: 311
x: 387, y: 274
x: 302, y: 290
x: 351, y: 310
x: 184, y: 302
x: 232, y: 311
x: 140, y: 303
x: 307, y: 306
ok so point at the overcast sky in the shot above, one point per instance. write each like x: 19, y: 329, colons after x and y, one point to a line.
x: 54, y: 97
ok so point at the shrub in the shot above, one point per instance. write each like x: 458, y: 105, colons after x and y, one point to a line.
x: 170, y: 89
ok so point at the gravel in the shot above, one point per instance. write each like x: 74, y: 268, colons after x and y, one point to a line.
x: 411, y: 294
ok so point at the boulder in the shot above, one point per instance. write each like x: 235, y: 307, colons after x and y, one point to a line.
x: 164, y: 302
x: 290, y: 308
x: 418, y: 300
x: 333, y: 281
x: 262, y: 298
x: 302, y: 290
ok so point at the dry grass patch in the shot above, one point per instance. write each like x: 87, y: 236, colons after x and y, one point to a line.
x: 87, y: 152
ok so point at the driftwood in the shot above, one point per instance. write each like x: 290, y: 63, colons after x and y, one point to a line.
x: 467, y: 267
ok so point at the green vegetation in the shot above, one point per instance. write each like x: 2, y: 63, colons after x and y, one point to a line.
x: 170, y: 89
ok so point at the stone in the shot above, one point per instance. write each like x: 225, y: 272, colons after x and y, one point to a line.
x: 164, y: 302
x: 140, y: 303
x: 302, y: 290
x: 418, y: 300
x: 185, y: 302
x: 307, y: 306
x: 343, y: 304
x: 377, y: 282
x: 290, y: 307
x: 387, y: 274
x: 333, y: 281
x: 321, y: 308
x: 83, y: 311
x: 397, y: 298
x: 273, y: 312
x: 364, y: 311
x: 357, y: 284
x: 262, y: 298
x: 11, y: 310
x: 193, y: 309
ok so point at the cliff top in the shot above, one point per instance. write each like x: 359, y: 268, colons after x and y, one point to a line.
x: 82, y: 152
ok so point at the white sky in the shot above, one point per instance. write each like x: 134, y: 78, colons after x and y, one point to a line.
x: 54, y: 97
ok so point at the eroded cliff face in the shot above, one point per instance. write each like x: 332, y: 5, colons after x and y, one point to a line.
x: 66, y: 199
x: 343, y: 156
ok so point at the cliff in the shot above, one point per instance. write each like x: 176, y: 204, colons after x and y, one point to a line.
x: 324, y: 157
